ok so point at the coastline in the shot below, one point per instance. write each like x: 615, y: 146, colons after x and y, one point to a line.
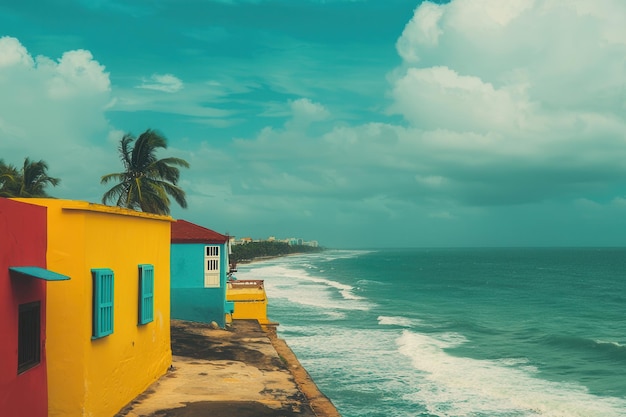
x: 246, y: 371
x: 268, y: 257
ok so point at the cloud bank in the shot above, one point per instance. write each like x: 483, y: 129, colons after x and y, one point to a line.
x: 54, y: 110
x: 503, y: 102
x: 506, y: 107
x: 499, y: 116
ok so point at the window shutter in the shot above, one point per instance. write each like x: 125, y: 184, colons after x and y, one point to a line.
x: 102, y: 302
x: 146, y: 294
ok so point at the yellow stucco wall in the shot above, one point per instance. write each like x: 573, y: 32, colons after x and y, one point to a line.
x: 98, y: 377
x: 250, y: 303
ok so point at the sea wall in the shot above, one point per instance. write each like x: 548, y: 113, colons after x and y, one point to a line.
x: 322, y: 406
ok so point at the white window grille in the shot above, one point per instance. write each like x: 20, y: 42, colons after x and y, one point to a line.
x: 211, y: 266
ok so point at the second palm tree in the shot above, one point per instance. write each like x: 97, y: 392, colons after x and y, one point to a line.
x: 146, y: 181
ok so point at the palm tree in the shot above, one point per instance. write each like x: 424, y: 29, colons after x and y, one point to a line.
x: 146, y: 181
x: 8, y: 176
x: 29, y: 182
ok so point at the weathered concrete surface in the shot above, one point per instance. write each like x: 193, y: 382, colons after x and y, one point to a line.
x: 321, y: 404
x: 241, y: 372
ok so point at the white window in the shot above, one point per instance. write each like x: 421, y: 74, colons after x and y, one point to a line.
x: 211, y: 266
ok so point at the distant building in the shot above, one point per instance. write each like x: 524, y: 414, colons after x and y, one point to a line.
x: 200, y: 266
x: 249, y: 300
x: 290, y: 241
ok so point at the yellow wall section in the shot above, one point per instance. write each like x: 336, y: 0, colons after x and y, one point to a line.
x: 98, y: 377
x: 250, y: 303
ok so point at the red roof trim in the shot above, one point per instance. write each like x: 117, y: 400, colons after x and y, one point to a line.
x: 187, y: 232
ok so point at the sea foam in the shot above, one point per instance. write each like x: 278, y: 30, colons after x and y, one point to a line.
x: 398, y: 321
x: 291, y: 282
x: 454, y: 386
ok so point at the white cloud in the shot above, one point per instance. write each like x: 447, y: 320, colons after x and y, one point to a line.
x: 440, y: 97
x: 496, y: 114
x: 305, y: 112
x: 191, y: 100
x: 545, y: 47
x: 12, y: 52
x: 423, y: 29
x: 54, y: 110
x: 75, y: 74
x: 303, y: 108
x: 501, y: 91
x: 503, y: 104
x: 487, y: 15
x: 167, y: 83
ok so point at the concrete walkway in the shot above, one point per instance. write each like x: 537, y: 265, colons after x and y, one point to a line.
x: 245, y: 371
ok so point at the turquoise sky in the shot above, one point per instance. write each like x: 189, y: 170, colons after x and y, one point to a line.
x: 355, y: 123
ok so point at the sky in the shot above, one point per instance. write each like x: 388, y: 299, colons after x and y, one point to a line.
x: 356, y: 123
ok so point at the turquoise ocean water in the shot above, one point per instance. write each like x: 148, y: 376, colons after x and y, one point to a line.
x: 457, y: 332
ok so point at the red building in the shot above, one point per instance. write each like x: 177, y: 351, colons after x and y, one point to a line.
x: 23, y: 241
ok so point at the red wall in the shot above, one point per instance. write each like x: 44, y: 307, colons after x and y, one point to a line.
x: 22, y: 243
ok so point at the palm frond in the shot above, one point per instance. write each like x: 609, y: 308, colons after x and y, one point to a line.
x: 124, y: 151
x: 118, y: 176
x: 147, y: 181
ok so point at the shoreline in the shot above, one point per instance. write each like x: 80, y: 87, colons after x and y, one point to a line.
x: 245, y: 371
x: 268, y: 257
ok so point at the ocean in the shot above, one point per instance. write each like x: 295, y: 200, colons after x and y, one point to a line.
x: 514, y: 332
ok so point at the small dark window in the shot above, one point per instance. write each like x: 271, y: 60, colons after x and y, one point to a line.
x: 28, y: 340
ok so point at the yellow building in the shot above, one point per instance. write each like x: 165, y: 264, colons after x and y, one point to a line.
x: 250, y: 300
x: 108, y: 330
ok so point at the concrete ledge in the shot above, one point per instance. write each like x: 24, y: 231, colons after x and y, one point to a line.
x: 246, y: 371
x: 320, y: 403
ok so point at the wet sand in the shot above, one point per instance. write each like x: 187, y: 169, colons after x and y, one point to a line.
x: 245, y: 371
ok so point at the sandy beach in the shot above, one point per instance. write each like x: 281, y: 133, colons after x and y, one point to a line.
x: 244, y: 371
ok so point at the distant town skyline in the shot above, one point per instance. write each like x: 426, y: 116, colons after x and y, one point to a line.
x: 363, y: 123
x: 290, y: 240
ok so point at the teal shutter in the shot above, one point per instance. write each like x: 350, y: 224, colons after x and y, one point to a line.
x: 146, y: 294
x: 102, y: 302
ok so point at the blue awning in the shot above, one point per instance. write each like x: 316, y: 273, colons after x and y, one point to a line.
x: 39, y: 273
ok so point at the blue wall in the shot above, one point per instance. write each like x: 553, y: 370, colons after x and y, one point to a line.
x: 190, y: 300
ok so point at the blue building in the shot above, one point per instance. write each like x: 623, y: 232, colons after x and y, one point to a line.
x: 199, y: 272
